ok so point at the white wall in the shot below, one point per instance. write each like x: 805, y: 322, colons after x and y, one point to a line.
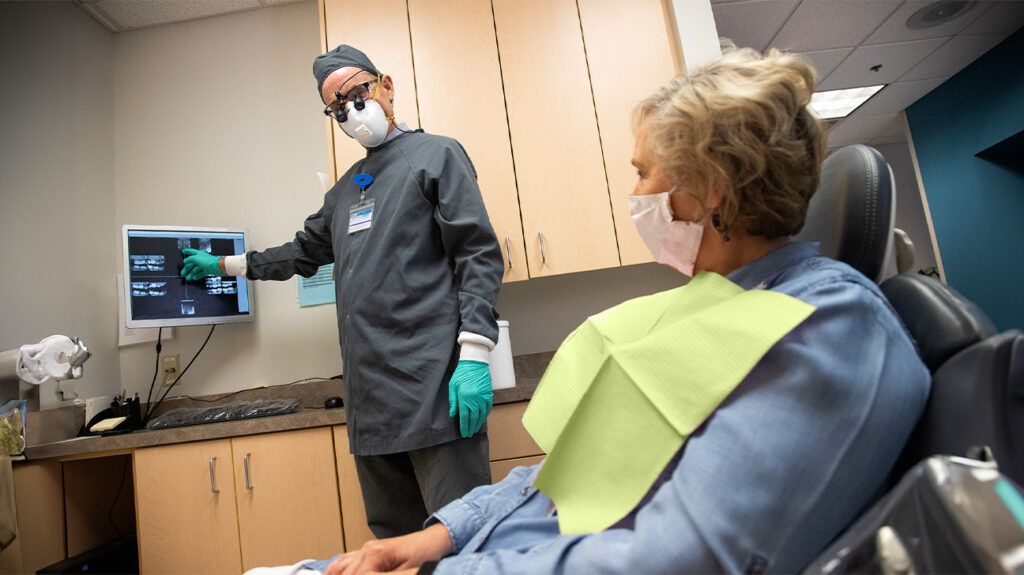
x: 217, y: 123
x: 57, y: 186
x: 910, y: 215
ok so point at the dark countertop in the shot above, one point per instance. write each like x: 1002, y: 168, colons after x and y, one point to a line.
x: 528, y: 371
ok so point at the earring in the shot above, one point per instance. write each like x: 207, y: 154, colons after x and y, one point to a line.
x: 716, y: 222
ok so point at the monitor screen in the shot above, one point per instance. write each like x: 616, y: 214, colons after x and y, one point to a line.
x: 155, y: 293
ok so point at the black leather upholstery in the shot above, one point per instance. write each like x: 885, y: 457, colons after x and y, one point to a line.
x: 941, y: 321
x: 977, y: 395
x: 851, y: 213
x: 977, y: 399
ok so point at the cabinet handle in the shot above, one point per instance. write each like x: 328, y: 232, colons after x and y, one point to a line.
x: 508, y: 250
x: 213, y: 475
x: 245, y: 464
x: 543, y: 256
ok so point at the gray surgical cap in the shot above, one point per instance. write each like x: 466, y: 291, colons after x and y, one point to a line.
x: 341, y: 57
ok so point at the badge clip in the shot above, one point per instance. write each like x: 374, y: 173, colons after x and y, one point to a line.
x: 363, y: 181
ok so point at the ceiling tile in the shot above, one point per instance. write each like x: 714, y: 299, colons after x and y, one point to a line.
x: 860, y: 129
x: 826, y: 60
x: 896, y: 97
x: 895, y: 28
x: 1002, y: 18
x: 752, y: 24
x: 134, y: 14
x: 952, y: 56
x: 825, y: 24
x: 895, y: 59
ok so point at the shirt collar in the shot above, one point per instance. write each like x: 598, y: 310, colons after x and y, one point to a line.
x: 400, y: 129
x: 761, y: 272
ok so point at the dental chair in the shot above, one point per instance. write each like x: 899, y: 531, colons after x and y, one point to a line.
x: 975, y: 409
x: 976, y: 406
x: 852, y: 214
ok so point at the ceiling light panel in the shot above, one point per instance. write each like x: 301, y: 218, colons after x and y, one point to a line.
x: 839, y: 103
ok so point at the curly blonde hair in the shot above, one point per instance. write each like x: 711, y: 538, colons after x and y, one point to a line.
x: 740, y: 125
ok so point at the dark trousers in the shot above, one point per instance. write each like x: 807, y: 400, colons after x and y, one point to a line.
x: 400, y: 490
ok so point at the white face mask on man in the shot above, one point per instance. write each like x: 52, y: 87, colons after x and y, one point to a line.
x: 673, y: 243
x: 368, y: 126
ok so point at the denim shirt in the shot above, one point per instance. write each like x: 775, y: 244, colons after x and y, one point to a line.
x: 780, y: 469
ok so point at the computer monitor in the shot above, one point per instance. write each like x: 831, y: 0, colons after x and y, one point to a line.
x: 155, y: 293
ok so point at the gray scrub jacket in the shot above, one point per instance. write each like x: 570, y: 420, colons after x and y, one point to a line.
x: 428, y: 268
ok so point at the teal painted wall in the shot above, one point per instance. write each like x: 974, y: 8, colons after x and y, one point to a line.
x: 977, y: 206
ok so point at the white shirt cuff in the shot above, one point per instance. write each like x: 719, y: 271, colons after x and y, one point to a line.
x: 236, y: 265
x: 475, y: 347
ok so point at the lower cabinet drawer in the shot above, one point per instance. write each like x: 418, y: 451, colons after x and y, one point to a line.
x: 499, y: 469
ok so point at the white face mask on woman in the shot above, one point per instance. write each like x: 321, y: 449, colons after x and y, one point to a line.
x: 673, y: 243
x: 368, y: 126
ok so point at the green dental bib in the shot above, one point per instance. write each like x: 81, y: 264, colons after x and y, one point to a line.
x: 628, y: 387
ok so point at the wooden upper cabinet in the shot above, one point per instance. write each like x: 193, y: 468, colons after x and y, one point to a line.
x: 380, y: 29
x: 563, y: 192
x: 185, y: 506
x: 287, y: 494
x: 630, y: 55
x: 541, y: 95
x: 458, y: 81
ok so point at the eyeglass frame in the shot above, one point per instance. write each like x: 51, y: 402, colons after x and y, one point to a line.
x: 336, y: 109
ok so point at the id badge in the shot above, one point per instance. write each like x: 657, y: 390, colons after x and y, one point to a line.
x: 360, y: 216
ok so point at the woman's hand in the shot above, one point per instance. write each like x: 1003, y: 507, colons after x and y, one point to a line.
x: 407, y: 552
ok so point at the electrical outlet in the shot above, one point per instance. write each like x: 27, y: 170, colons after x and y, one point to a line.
x: 171, y: 368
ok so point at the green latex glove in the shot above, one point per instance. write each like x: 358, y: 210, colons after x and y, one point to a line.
x: 199, y: 264
x: 470, y: 395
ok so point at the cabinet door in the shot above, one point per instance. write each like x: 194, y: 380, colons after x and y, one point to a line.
x: 353, y: 512
x: 186, y: 512
x: 380, y: 30
x: 563, y: 193
x: 506, y: 436
x: 621, y: 79
x: 465, y: 101
x: 39, y: 507
x: 287, y: 497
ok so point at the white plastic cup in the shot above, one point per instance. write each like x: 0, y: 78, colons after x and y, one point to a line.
x: 503, y: 376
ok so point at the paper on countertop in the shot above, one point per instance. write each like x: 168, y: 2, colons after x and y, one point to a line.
x: 107, y: 424
x: 626, y: 389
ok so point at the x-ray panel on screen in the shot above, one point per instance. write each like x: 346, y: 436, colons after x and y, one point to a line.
x: 156, y: 295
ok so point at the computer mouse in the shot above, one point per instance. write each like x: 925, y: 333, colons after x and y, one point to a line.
x: 333, y: 402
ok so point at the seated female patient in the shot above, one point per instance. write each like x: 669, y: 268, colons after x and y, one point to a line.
x: 728, y: 158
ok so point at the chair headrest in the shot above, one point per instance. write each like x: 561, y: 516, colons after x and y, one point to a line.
x: 852, y: 213
x: 940, y: 320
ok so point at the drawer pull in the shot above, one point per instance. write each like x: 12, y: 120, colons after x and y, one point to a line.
x: 508, y: 250
x: 213, y: 475
x: 245, y: 464
x: 543, y: 256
